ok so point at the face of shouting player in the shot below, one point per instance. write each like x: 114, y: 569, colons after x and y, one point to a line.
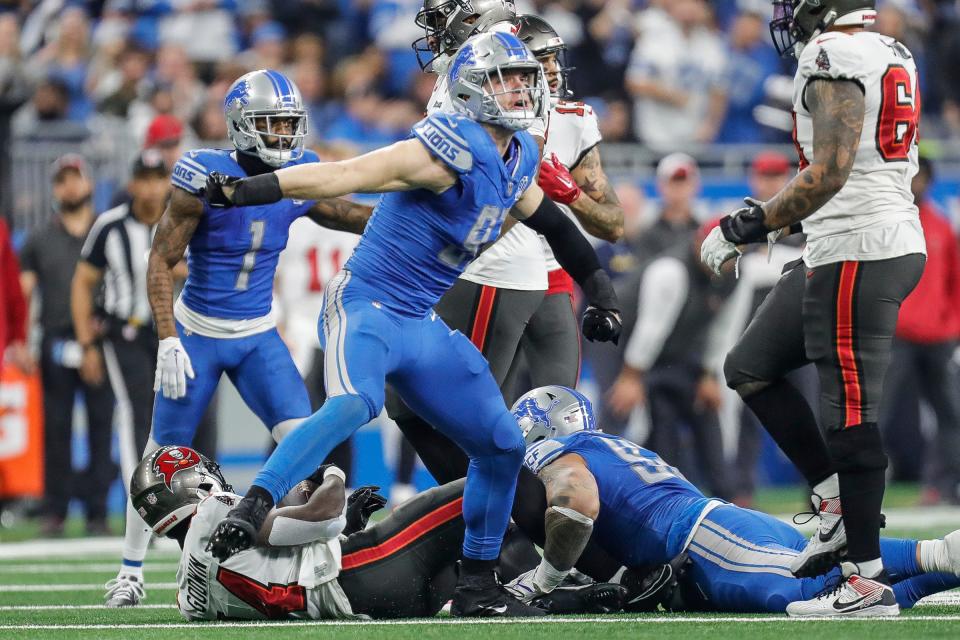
x: 513, y: 89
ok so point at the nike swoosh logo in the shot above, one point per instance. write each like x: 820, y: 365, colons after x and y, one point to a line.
x: 842, y: 606
x: 565, y: 182
x: 832, y: 531
x: 501, y: 609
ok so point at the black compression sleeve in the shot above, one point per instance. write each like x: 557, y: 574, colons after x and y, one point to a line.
x: 262, y: 189
x: 571, y: 249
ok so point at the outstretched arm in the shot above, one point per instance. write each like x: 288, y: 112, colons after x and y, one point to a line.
x: 173, y: 235
x: 402, y: 166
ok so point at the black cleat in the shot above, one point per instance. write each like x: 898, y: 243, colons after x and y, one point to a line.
x: 481, y: 595
x: 238, y: 531
x: 599, y: 597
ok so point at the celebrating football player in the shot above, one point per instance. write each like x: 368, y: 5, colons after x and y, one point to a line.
x: 857, y: 107
x: 644, y: 512
x: 448, y: 189
x: 311, y: 560
x: 222, y: 320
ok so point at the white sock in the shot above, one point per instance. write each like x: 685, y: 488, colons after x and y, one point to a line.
x: 829, y: 488
x: 933, y: 556
x: 136, y: 533
x: 868, y: 569
x: 136, y: 538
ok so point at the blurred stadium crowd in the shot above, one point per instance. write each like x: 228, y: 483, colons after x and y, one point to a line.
x: 107, y: 79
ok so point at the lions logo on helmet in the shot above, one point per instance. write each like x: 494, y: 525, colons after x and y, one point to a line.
x: 552, y: 411
x: 238, y: 97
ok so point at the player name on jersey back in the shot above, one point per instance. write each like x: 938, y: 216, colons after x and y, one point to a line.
x: 873, y: 216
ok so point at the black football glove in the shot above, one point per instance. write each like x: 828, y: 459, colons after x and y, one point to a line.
x: 648, y: 591
x: 601, y: 325
x: 361, y: 503
x: 215, y: 193
x: 745, y: 225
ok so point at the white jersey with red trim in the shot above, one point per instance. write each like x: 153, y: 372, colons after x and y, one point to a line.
x: 574, y: 130
x: 873, y: 216
x: 510, y: 263
x: 260, y: 583
x: 314, y: 255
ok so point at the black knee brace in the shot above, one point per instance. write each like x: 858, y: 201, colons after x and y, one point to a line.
x: 857, y: 448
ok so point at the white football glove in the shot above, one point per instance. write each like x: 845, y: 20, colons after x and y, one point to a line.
x: 173, y: 368
x: 716, y: 250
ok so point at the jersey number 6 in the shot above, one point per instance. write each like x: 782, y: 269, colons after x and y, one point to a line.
x: 899, y: 115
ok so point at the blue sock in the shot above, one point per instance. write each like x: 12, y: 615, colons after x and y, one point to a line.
x: 899, y: 558
x: 909, y: 591
x: 304, y: 449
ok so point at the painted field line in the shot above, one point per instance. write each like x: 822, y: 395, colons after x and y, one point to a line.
x: 103, y: 567
x: 74, y: 548
x: 474, y: 622
x: 40, y: 588
x: 64, y: 607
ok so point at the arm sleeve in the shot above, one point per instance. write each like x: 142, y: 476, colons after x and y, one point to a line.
x: 440, y: 135
x: 572, y: 250
x: 289, y: 532
x: 663, y: 291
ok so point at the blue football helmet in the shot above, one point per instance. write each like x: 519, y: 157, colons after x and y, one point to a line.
x: 255, y: 100
x: 552, y: 411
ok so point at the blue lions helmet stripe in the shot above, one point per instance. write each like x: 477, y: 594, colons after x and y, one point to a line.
x: 587, y: 408
x: 513, y: 46
x: 282, y: 86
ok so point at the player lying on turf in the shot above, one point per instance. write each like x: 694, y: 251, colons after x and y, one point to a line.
x: 644, y: 512
x: 312, y: 562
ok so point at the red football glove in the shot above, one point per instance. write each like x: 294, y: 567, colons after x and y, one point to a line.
x: 556, y: 181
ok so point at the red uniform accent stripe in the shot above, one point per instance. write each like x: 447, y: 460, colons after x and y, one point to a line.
x: 845, y: 355
x: 481, y: 321
x: 559, y: 281
x: 405, y: 537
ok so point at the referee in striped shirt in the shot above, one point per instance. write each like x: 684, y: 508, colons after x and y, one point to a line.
x: 117, y: 335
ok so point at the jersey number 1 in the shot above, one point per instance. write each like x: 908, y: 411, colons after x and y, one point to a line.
x: 250, y: 257
x: 899, y: 115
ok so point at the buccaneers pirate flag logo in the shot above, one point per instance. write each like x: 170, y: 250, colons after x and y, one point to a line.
x: 172, y: 461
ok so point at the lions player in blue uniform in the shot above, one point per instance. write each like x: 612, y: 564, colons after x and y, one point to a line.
x: 450, y: 186
x: 644, y: 512
x: 222, y: 321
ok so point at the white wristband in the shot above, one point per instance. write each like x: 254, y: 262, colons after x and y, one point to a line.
x: 336, y: 471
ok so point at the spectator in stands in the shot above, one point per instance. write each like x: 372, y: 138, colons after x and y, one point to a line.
x: 119, y: 87
x: 678, y: 182
x: 676, y: 76
x: 204, y: 29
x: 178, y: 75
x: 45, y: 117
x: 165, y: 134
x: 671, y: 361
x: 924, y: 344
x: 48, y: 260
x: 67, y: 57
x: 751, y: 61
x: 13, y: 308
x: 268, y: 47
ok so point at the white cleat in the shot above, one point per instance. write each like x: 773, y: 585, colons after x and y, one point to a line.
x: 854, y: 597
x: 124, y: 591
x: 827, y: 544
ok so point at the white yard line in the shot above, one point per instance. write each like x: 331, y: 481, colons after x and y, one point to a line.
x: 103, y: 567
x: 65, y: 607
x: 75, y: 548
x: 97, y: 586
x: 474, y: 622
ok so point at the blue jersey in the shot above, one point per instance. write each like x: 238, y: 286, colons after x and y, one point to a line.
x: 234, y: 250
x: 418, y: 242
x: 647, y: 507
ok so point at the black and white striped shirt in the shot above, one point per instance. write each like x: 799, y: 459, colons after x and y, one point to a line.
x: 119, y: 244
